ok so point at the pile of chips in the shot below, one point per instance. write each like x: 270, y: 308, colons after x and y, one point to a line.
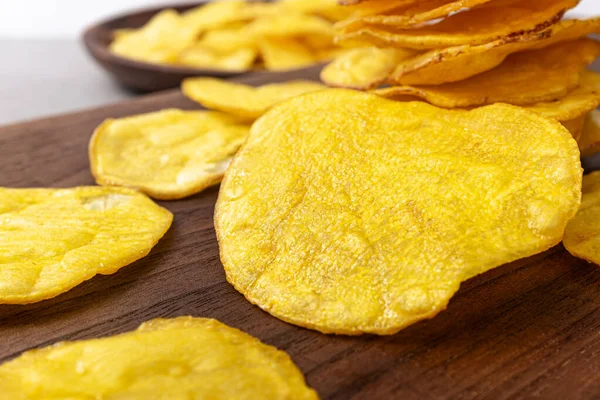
x: 236, y: 35
x: 464, y: 54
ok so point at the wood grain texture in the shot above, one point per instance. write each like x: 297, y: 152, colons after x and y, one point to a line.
x: 527, y: 329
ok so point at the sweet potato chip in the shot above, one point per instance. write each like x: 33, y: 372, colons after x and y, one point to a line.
x: 159, y: 41
x: 575, y: 127
x: 408, y: 15
x: 281, y: 54
x: 503, y: 19
x: 51, y: 240
x: 523, y: 78
x: 349, y: 213
x: 363, y: 68
x: 168, y: 154
x: 589, y: 143
x: 180, y: 358
x: 200, y: 56
x: 242, y: 100
x: 576, y: 104
x: 462, y: 62
x: 582, y: 236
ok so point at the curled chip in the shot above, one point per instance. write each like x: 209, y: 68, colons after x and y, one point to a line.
x: 180, y: 358
x: 218, y: 14
x: 363, y: 68
x: 160, y: 40
x: 325, y: 8
x: 406, y: 15
x: 242, y: 100
x: 575, y: 127
x: 589, y: 144
x: 426, y: 199
x: 168, y: 154
x: 582, y: 236
x: 503, y: 19
x: 523, y: 78
x: 576, y: 104
x: 461, y: 62
x: 289, y: 25
x: 285, y: 53
x: 51, y: 240
x: 206, y: 57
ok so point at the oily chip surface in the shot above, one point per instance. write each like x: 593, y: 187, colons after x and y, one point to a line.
x: 486, y: 23
x: 242, y: 100
x: 177, y: 359
x: 589, y: 143
x: 348, y: 213
x: 461, y: 62
x: 51, y: 240
x: 582, y: 236
x: 523, y: 78
x: 364, y: 67
x: 168, y: 154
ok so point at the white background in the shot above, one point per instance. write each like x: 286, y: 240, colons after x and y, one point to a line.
x: 67, y: 18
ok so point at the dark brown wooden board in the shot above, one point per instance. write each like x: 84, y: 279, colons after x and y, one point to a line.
x: 524, y: 330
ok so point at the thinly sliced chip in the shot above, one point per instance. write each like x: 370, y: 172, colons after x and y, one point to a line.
x: 325, y: 8
x: 281, y: 54
x: 405, y: 16
x: 576, y: 104
x: 582, y: 236
x: 180, y: 358
x: 159, y: 41
x: 243, y: 100
x: 228, y: 40
x: 218, y: 14
x: 575, y: 126
x: 386, y: 240
x: 506, y: 18
x: 363, y: 9
x: 462, y: 62
x: 168, y: 154
x: 200, y: 56
x: 290, y: 25
x: 363, y: 68
x: 51, y: 240
x: 522, y: 79
x: 589, y: 144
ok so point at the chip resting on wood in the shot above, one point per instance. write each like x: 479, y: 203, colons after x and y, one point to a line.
x: 348, y: 213
x: 180, y: 358
x: 582, y: 236
x: 51, y: 240
x: 168, y: 154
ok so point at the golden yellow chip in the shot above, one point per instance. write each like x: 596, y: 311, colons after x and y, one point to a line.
x: 407, y: 15
x: 589, y: 143
x: 228, y: 40
x: 326, y: 8
x: 281, y: 54
x: 289, y: 25
x: 503, y: 19
x: 582, y: 236
x: 576, y: 104
x: 160, y: 40
x: 200, y: 56
x: 168, y: 154
x: 243, y: 100
x: 523, y: 78
x: 575, y: 127
x: 461, y: 62
x: 349, y: 213
x: 180, y: 358
x: 363, y: 68
x: 51, y: 240
x: 217, y: 14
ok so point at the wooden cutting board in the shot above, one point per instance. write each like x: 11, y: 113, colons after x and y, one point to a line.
x: 528, y: 329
